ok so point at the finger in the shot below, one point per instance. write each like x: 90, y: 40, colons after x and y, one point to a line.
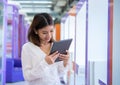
x: 56, y: 56
x: 67, y: 52
x: 64, y: 57
x: 54, y: 53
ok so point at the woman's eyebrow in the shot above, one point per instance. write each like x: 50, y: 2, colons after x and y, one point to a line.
x: 44, y: 31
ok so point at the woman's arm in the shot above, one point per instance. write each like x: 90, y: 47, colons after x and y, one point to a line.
x: 30, y: 71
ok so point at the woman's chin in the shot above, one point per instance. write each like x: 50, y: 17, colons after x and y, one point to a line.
x: 47, y: 40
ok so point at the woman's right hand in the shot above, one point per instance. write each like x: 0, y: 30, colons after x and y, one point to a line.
x: 50, y: 59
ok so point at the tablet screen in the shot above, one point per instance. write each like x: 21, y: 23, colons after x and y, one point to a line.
x: 61, y: 46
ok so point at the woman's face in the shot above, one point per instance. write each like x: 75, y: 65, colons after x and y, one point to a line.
x: 46, y: 33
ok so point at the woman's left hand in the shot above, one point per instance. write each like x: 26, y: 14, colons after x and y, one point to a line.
x: 65, y: 58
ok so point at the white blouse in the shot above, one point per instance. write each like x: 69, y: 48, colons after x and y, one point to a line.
x: 36, y: 71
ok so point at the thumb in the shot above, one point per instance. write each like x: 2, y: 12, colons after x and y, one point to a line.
x: 54, y: 53
x: 56, y: 56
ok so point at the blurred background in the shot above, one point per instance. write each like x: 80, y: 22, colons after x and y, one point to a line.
x: 57, y: 8
x: 94, y: 26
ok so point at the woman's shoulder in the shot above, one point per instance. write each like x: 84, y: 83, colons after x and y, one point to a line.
x: 27, y: 44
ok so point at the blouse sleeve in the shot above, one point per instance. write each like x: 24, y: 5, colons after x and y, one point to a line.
x: 29, y: 72
x: 61, y: 69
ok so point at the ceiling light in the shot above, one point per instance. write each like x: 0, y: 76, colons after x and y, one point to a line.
x: 36, y: 6
x: 36, y: 2
x: 29, y: 10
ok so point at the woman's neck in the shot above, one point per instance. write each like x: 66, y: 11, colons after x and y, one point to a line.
x: 44, y: 43
x: 45, y: 47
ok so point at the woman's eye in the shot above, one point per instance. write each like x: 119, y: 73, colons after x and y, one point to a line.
x: 44, y: 33
x: 51, y: 31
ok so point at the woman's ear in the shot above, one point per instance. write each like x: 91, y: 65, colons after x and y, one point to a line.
x: 35, y: 31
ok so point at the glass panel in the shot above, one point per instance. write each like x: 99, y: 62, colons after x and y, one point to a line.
x: 0, y: 78
x: 67, y: 31
x: 1, y: 30
x: 12, y: 29
x: 9, y: 33
x: 74, y: 26
x: 72, y: 49
x: 2, y: 58
x: 80, y: 43
x: 114, y: 73
x: 97, y: 41
x: 15, y: 32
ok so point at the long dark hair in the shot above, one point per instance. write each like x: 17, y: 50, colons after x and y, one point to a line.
x: 39, y: 21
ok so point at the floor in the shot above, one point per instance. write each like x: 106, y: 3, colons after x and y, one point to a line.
x: 17, y: 83
x: 80, y: 80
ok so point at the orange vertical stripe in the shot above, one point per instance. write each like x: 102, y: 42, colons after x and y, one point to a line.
x: 57, y: 26
x: 111, y: 41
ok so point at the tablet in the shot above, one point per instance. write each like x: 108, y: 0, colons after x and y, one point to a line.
x: 61, y: 46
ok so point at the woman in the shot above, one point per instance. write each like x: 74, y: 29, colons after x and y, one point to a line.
x: 40, y: 68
